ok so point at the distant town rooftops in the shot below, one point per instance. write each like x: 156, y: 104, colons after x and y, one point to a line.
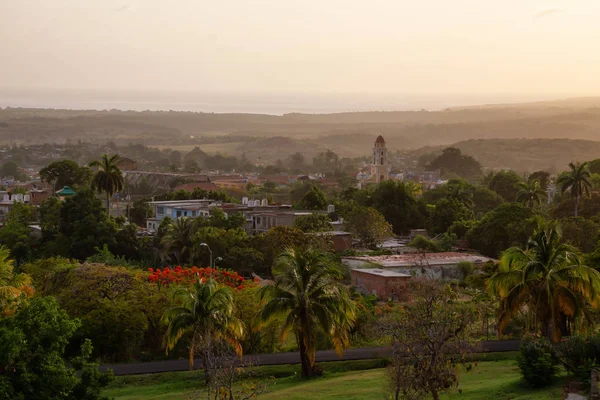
x: 382, y: 272
x: 332, y: 233
x: 190, y: 187
x: 184, y: 203
x: 405, y: 260
x: 66, y: 191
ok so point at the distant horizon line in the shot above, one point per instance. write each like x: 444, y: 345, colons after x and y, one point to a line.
x: 266, y: 103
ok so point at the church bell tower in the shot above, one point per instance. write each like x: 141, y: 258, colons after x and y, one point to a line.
x: 379, y: 168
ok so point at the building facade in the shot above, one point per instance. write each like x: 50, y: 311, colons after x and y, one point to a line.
x: 386, y: 285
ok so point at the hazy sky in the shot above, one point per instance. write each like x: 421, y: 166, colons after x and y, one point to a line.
x: 375, y: 46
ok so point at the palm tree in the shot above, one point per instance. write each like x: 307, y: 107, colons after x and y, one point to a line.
x: 178, y: 240
x: 204, y: 312
x: 549, y: 279
x: 108, y: 178
x: 13, y: 287
x: 459, y: 193
x: 576, y: 181
x: 308, y: 293
x: 530, y: 193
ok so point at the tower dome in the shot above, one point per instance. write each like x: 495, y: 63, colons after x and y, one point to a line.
x: 379, y: 139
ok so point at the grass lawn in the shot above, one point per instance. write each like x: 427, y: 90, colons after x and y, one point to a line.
x: 489, y: 380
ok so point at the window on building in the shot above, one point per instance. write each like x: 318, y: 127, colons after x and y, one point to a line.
x: 258, y: 220
x: 178, y: 214
x: 160, y: 210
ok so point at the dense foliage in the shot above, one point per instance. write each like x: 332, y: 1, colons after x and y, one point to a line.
x: 33, y: 362
x: 538, y: 361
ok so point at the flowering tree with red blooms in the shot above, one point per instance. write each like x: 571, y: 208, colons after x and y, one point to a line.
x: 184, y: 276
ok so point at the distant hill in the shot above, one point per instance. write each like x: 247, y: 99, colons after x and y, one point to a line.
x: 349, y: 134
x: 525, y: 155
x: 569, y: 103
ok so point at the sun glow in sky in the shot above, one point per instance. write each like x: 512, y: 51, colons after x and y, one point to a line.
x: 320, y: 46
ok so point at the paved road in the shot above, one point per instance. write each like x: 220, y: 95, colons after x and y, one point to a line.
x: 288, y: 358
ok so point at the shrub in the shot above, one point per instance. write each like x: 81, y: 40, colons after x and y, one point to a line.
x: 537, y: 361
x: 466, y: 268
x: 579, y: 355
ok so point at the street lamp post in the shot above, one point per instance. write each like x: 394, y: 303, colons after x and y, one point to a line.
x: 210, y: 265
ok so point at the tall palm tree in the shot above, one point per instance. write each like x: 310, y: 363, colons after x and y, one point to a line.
x: 108, y: 178
x: 178, y: 240
x: 307, y: 291
x: 203, y: 313
x: 576, y: 181
x: 13, y: 287
x: 549, y: 280
x: 530, y: 193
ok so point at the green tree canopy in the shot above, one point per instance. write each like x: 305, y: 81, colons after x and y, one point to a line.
x: 543, y: 177
x: 139, y: 211
x: 483, y: 200
x: 314, y: 199
x: 508, y: 225
x: 14, y: 287
x: 32, y: 356
x: 66, y: 173
x: 368, y: 225
x: 313, y: 223
x: 580, y: 233
x: 505, y: 183
x: 9, y: 169
x: 15, y: 232
x: 446, y: 212
x: 398, y: 205
x: 454, y: 162
x: 84, y: 226
x: 594, y: 166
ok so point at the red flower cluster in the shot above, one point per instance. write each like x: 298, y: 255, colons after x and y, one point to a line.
x: 179, y: 275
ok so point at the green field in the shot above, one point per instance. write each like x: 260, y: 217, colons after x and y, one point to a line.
x: 489, y: 380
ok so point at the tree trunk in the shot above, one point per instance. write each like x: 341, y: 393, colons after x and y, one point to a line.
x: 108, y: 203
x: 549, y: 327
x: 576, y: 206
x: 435, y: 395
x: 191, y: 354
x: 307, y: 369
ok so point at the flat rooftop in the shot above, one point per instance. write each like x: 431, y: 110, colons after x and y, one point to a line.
x: 406, y: 260
x: 381, y: 272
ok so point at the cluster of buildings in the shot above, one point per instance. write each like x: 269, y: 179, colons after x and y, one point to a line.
x: 380, y: 170
x: 384, y: 276
x: 259, y: 214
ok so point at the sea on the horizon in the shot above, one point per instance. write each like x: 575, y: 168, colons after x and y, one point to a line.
x: 263, y: 103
